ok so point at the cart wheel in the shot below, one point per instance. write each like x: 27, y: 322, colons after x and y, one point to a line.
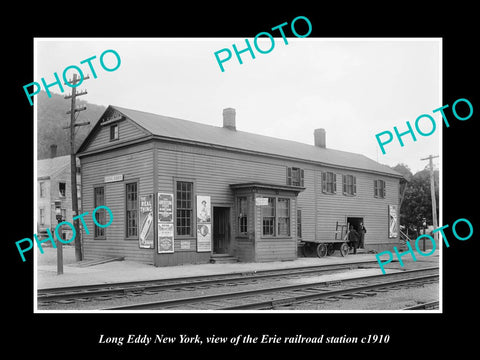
x: 344, y: 249
x: 321, y: 250
x: 330, y: 249
x: 308, y: 250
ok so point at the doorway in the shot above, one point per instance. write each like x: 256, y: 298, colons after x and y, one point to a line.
x: 221, y: 230
x: 355, y: 222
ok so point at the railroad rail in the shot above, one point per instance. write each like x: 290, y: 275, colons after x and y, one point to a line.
x: 72, y: 293
x: 284, y: 295
x: 424, y: 306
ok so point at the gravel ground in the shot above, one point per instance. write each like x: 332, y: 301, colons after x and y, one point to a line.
x: 390, y: 300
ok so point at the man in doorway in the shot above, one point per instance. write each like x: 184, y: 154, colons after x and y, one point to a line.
x: 362, y: 231
x: 353, y: 238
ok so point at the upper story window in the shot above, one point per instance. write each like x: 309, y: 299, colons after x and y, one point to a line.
x: 349, y: 185
x: 113, y: 132
x: 329, y: 182
x: 379, y: 189
x: 295, y: 176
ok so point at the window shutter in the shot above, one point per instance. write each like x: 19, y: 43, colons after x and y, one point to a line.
x: 354, y: 185
x: 334, y: 183
x: 324, y: 181
x: 384, y: 188
x: 301, y: 177
x: 344, y: 182
x: 289, y: 176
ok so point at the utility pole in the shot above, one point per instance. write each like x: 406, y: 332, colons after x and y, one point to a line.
x: 73, y: 160
x: 432, y: 191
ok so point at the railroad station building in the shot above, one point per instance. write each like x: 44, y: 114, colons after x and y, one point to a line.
x: 183, y: 192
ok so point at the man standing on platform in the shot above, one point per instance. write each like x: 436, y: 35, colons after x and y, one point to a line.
x: 362, y: 231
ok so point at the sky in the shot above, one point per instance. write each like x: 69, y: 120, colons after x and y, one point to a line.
x: 353, y: 88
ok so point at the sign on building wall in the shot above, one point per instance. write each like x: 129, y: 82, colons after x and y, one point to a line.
x: 165, y: 239
x: 145, y: 237
x: 392, y: 221
x: 113, y: 178
x: 261, y: 201
x: 204, y: 224
x: 165, y: 207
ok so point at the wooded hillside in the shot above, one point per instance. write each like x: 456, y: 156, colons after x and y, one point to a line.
x: 52, y: 118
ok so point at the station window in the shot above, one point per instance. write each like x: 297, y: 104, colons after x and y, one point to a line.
x: 295, y: 176
x: 283, y: 213
x: 184, y: 196
x: 276, y: 217
x: 349, y: 185
x: 242, y: 215
x: 131, y: 193
x: 329, y: 182
x: 379, y: 189
x: 268, y: 217
x: 114, y: 132
x: 100, y: 215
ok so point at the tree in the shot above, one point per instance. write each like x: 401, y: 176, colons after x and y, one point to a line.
x: 417, y: 202
x: 404, y: 170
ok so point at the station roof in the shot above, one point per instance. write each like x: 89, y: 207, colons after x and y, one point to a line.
x: 165, y: 127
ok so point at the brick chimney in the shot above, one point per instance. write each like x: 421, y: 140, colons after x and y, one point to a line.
x: 53, y: 151
x: 229, y: 119
x: 319, y: 136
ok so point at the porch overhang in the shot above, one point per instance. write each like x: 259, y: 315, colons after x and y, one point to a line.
x: 259, y: 187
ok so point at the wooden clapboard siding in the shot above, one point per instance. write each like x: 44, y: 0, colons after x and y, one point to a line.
x: 337, y: 207
x: 127, y: 131
x: 135, y: 163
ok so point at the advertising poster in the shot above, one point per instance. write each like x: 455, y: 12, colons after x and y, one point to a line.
x: 145, y: 237
x: 165, y: 207
x: 165, y: 238
x: 204, y: 237
x: 204, y: 226
x: 392, y: 221
x: 203, y: 210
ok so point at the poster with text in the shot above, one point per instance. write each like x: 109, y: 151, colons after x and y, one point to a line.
x: 145, y: 238
x: 165, y: 238
x: 204, y: 227
x: 165, y: 207
x: 204, y: 237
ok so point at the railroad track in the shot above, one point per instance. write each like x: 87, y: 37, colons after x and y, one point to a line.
x: 285, y: 295
x: 103, y: 291
x: 424, y: 306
